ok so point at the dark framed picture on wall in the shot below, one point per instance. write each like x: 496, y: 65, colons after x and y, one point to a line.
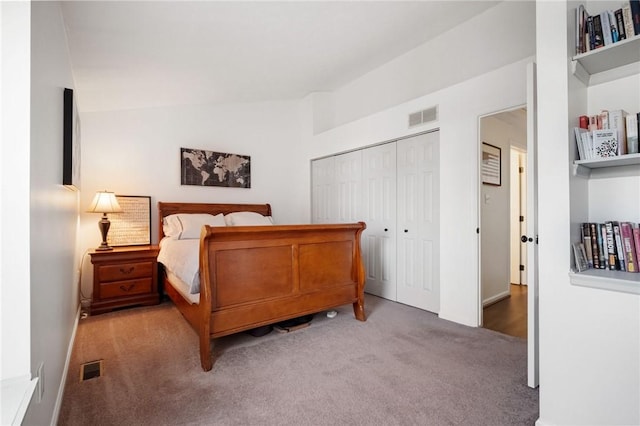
x: 70, y: 143
x: 210, y: 168
x: 491, y: 165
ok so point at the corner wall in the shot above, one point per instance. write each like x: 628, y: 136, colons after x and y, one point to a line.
x: 53, y: 213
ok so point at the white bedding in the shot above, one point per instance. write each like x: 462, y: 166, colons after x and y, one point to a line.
x: 181, y: 257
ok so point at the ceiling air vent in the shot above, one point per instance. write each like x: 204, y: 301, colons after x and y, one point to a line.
x: 425, y: 116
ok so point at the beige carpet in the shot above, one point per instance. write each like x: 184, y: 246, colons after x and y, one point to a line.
x: 403, y: 366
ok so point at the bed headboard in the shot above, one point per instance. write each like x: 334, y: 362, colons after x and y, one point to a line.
x: 166, y: 209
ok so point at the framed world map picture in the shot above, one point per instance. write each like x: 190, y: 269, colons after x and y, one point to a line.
x: 209, y: 168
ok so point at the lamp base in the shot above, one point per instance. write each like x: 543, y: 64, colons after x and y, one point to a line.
x: 104, y: 225
x: 103, y: 248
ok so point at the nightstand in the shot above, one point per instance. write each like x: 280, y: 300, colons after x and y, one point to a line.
x: 124, y: 276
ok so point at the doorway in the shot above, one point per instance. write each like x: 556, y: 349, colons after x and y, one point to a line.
x: 502, y: 211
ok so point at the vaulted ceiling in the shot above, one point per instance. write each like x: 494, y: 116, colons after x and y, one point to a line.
x: 155, y: 53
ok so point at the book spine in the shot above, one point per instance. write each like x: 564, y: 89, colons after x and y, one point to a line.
x: 636, y: 240
x: 617, y: 121
x: 622, y: 263
x: 611, y: 247
x: 615, y: 35
x: 584, y: 122
x: 597, y: 29
x: 629, y: 247
x: 632, y: 133
x: 577, y: 132
x: 607, y: 39
x: 586, y: 241
x: 602, y: 239
x: 628, y: 21
x: 592, y: 32
x: 622, y: 35
x: 595, y: 252
x: 635, y: 15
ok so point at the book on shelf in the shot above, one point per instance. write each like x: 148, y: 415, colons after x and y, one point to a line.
x: 605, y: 143
x: 611, y: 245
x: 622, y: 33
x: 628, y: 246
x: 628, y: 20
x: 580, y: 257
x: 607, y: 27
x: 632, y: 121
x: 617, y: 121
x: 635, y: 15
x: 622, y: 261
x: 580, y: 143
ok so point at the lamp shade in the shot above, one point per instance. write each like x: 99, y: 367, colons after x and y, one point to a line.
x: 104, y: 202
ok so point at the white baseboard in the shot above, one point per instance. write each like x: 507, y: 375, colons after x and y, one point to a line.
x: 56, y: 408
x: 496, y: 298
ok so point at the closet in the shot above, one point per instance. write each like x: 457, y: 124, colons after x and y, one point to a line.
x: 394, y: 188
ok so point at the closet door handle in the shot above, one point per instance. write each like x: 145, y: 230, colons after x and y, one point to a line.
x: 406, y: 230
x: 386, y: 229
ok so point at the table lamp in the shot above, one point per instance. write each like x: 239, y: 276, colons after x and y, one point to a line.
x: 104, y: 202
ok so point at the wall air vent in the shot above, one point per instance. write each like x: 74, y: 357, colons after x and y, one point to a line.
x: 422, y: 117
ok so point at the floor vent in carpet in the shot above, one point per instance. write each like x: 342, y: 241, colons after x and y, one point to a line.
x: 90, y: 370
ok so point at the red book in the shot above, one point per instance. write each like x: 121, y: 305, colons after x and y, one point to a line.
x: 584, y: 122
x: 636, y: 238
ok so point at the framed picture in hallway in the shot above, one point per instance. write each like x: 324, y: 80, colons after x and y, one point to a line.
x: 491, y: 165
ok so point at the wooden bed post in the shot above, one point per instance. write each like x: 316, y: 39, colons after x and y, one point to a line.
x: 358, y: 305
x: 205, y: 301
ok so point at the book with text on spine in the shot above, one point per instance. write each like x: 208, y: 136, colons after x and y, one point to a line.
x: 632, y: 133
x: 629, y: 247
x: 617, y: 121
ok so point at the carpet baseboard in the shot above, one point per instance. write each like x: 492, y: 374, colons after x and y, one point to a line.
x: 65, y: 371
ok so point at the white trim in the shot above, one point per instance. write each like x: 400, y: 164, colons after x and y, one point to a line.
x: 56, y: 408
x: 494, y: 299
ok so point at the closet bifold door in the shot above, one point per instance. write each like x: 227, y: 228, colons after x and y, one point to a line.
x: 418, y: 222
x: 379, y: 209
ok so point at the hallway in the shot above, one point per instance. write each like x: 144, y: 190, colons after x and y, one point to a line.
x: 508, y: 316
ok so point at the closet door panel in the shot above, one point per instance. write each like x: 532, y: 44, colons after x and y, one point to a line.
x: 349, y: 186
x: 418, y: 222
x: 323, y: 191
x: 379, y: 213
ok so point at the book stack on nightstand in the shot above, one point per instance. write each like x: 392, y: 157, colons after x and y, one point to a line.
x: 124, y: 276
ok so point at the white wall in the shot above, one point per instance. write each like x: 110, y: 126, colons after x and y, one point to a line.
x: 495, y: 210
x: 589, y: 338
x: 499, y: 36
x: 53, y: 212
x: 460, y: 106
x: 14, y: 190
x: 137, y: 152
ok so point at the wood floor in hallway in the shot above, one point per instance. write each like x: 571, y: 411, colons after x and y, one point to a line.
x: 508, y: 316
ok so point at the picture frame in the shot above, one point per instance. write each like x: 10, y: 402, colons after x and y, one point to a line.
x: 70, y: 142
x: 210, y: 168
x: 131, y: 227
x: 491, y: 165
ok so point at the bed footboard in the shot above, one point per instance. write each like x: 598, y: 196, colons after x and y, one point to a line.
x: 258, y: 275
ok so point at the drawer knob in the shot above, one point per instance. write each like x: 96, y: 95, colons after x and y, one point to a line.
x: 127, y: 288
x: 127, y: 271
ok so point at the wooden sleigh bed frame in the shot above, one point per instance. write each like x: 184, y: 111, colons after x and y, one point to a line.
x: 252, y: 276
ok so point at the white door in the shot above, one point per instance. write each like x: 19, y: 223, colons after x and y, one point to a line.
x: 348, y: 169
x: 418, y: 221
x: 323, y: 191
x: 379, y: 213
x: 532, y: 231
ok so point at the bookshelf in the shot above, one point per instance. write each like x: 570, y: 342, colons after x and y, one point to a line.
x: 610, y: 66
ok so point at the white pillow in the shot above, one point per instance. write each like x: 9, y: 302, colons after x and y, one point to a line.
x: 185, y: 226
x: 247, y: 219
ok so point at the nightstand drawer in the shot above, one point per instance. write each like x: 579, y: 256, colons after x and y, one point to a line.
x: 125, y: 271
x: 125, y: 288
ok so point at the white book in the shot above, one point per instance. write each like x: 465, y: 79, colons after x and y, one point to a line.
x: 605, y: 143
x: 617, y: 121
x: 632, y: 133
x: 579, y: 144
x: 606, y: 28
x: 587, y: 145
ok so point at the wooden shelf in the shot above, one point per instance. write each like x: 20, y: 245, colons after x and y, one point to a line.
x: 623, y: 282
x: 623, y: 56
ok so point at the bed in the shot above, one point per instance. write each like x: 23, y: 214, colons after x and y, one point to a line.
x: 251, y: 276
